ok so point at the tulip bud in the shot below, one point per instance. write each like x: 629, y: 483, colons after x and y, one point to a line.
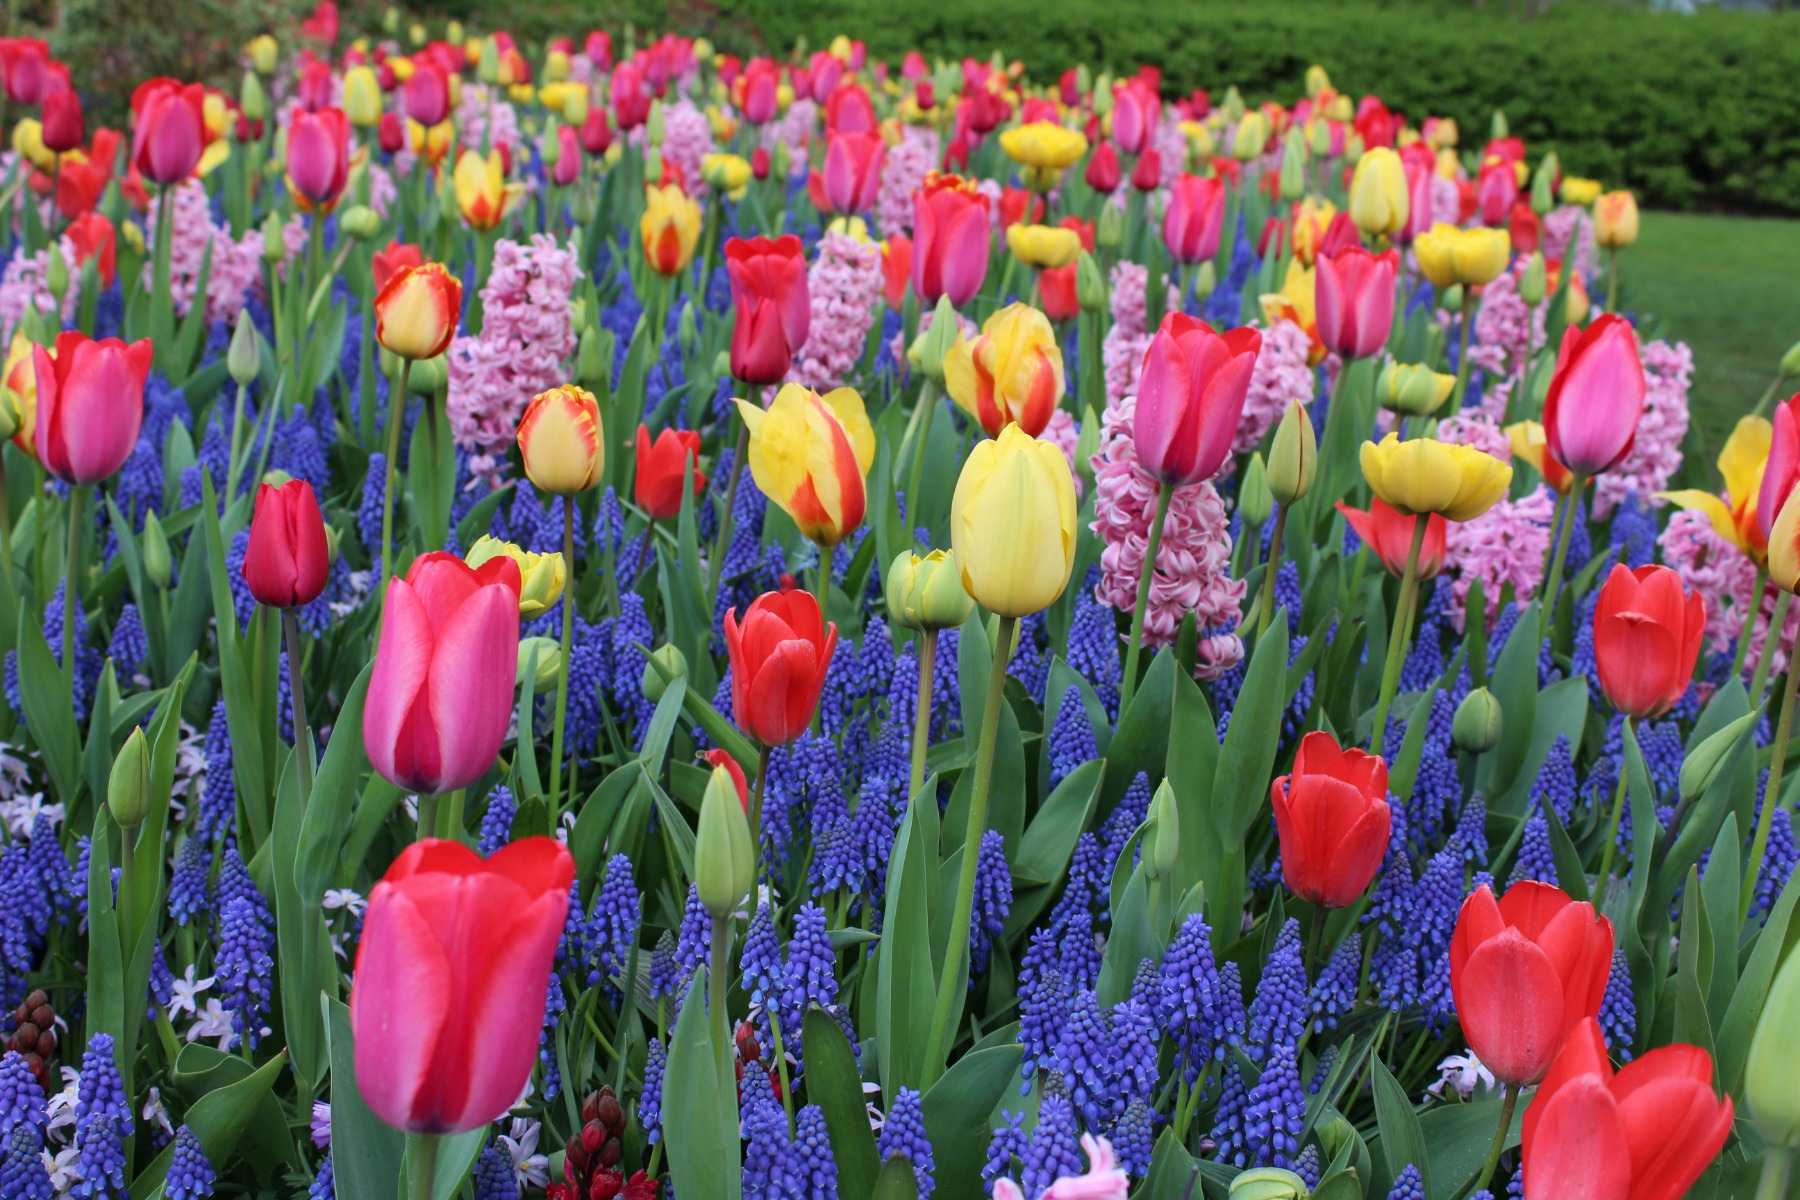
x: 927, y: 593
x: 331, y: 546
x: 1774, y: 1049
x: 244, y: 357
x: 1103, y: 94
x: 666, y: 664
x: 1703, y: 762
x: 128, y: 787
x: 1206, y: 280
x: 576, y: 107
x: 1415, y: 390
x: 590, y: 364
x: 1543, y: 185
x: 1293, y: 456
x: 1162, y: 841
x: 9, y: 413
x: 251, y: 97
x: 655, y: 125
x: 1090, y: 284
x: 543, y: 657
x: 1535, y: 282
x: 1453, y: 297
x: 1255, y: 500
x: 360, y: 222
x: 1293, y: 167
x: 687, y: 329
x: 1790, y: 362
x: 1087, y: 443
x: 1321, y: 139
x: 1109, y: 230
x: 1497, y: 129
x: 56, y: 276
x: 928, y: 349
x: 158, y: 564
x: 1478, y: 722
x: 724, y: 858
x: 427, y: 375
x: 487, y: 68
x: 1268, y: 1183
x: 274, y: 247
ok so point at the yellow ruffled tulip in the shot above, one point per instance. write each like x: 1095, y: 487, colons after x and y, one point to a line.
x: 1424, y: 475
x: 809, y: 454
x: 541, y: 576
x: 1011, y: 374
x: 1012, y: 523
x: 1044, y: 247
x: 1451, y: 257
x: 1045, y: 149
x: 1379, y: 201
x: 1616, y: 220
x: 670, y: 228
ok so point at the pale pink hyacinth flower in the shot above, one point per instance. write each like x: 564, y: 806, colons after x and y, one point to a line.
x: 1103, y: 1180
x: 1508, y: 544
x: 1559, y: 226
x: 236, y: 271
x: 1656, y: 454
x: 1123, y: 350
x: 1506, y: 330
x: 1282, y: 376
x: 794, y: 129
x: 844, y: 282
x: 1724, y: 575
x: 902, y: 174
x: 486, y: 120
x: 1446, y: 201
x: 1193, y: 561
x: 25, y: 285
x: 687, y: 140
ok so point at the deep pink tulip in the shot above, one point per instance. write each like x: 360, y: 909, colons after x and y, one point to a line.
x: 848, y: 110
x: 315, y: 85
x: 1354, y: 298
x: 761, y: 85
x: 65, y: 128
x: 630, y: 96
x: 1419, y: 174
x: 950, y: 241
x: 289, y: 557
x: 1136, y: 110
x: 25, y: 63
x: 772, y: 306
x: 319, y: 155
x: 170, y: 131
x: 426, y: 96
x: 852, y: 174
x: 1783, y: 468
x: 90, y: 405
x: 451, y: 973
x: 441, y: 696
x: 1596, y: 397
x: 1191, y: 397
x: 1496, y: 188
x: 568, y: 156
x: 1195, y: 217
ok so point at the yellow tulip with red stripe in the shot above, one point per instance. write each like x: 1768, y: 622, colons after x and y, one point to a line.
x: 1742, y: 463
x: 482, y: 192
x: 809, y: 454
x: 670, y: 228
x: 1012, y: 373
x: 1531, y: 443
x: 560, y: 440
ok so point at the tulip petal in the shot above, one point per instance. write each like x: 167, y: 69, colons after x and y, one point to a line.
x: 402, y: 665
x: 398, y: 1003
x: 1509, y: 999
x: 1580, y: 1151
x: 473, y: 665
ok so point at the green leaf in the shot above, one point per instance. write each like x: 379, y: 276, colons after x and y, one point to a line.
x: 1561, y: 710
x: 365, y: 1150
x: 200, y: 1069
x: 832, y: 1082
x: 1515, y: 686
x: 1720, y: 889
x: 1048, y: 843
x: 1402, y: 1139
x: 906, y: 989
x: 1571, y: 875
x: 1457, y: 1137
x: 1193, y: 769
x: 897, y: 1180
x: 700, y: 1117
x: 49, y: 705
x: 587, y: 841
x: 1739, y: 1023
x: 655, y: 749
x: 328, y: 812
x: 1172, y: 1170
x: 957, y: 1111
x: 219, y: 1119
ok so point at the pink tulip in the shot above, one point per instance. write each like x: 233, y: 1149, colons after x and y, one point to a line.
x: 852, y: 172
x: 170, y: 131
x: 950, y: 241
x: 441, y: 696
x: 451, y: 974
x: 761, y: 85
x: 1191, y: 397
x: 426, y: 96
x: 319, y: 155
x: 1195, y: 217
x: 1495, y: 190
x: 568, y: 156
x: 1596, y: 397
x: 90, y: 405
x: 1354, y: 300
x: 1419, y: 174
x: 1136, y: 110
x: 1783, y: 468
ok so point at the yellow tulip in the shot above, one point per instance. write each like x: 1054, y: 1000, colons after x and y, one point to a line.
x: 482, y: 192
x: 362, y: 97
x: 1012, y: 373
x: 1252, y: 137
x: 1531, y: 443
x: 1741, y: 463
x: 852, y: 226
x: 403, y: 68
x: 1045, y: 149
x: 1012, y: 523
x: 670, y: 228
x: 28, y: 141
x: 1616, y: 220
x: 561, y: 442
x: 1043, y: 246
x: 727, y: 172
x: 1449, y: 256
x: 1576, y: 190
x: 1312, y: 220
x: 431, y: 144
x: 541, y: 576
x: 809, y: 454
x: 264, y: 53
x: 1378, y: 193
x: 556, y: 66
x: 1784, y: 545
x: 1428, y: 476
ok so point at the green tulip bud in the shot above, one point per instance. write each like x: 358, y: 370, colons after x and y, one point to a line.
x: 128, y: 787
x: 159, y: 565
x: 332, y: 537
x: 1476, y: 727
x: 276, y: 477
x: 1103, y: 94
x: 1498, y: 127
x: 656, y: 125
x: 1255, y: 500
x: 1090, y: 284
x: 551, y: 149
x: 1543, y: 185
x: 1293, y: 456
x: 487, y: 68
x: 590, y: 364
x: 274, y: 247
x: 1234, y: 105
x: 927, y: 593
x: 1162, y: 841
x: 9, y: 413
x: 1774, y: 1049
x: 542, y: 656
x: 1415, y: 390
x: 928, y: 349
x: 1790, y: 362
x: 427, y: 376
x: 1321, y: 139
x: 1268, y: 1183
x: 1084, y: 78
x: 360, y: 222
x: 1109, y: 230
x: 56, y: 275
x: 653, y: 165
x: 666, y: 664
x: 1087, y: 443
x: 244, y: 358
x: 390, y: 20
x: 1535, y: 282
x: 783, y: 164
x: 1353, y: 148
x: 1703, y: 762
x: 251, y: 97
x: 1206, y: 280
x: 687, y: 329
x: 1293, y: 166
x: 1453, y: 298
x: 724, y: 858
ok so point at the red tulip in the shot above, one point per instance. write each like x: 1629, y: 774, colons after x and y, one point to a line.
x: 64, y: 127
x: 984, y: 110
x: 1525, y: 972
x: 779, y: 656
x: 1332, y: 817
x: 318, y: 165
x: 1495, y: 190
x: 950, y: 241
x: 1103, y: 169
x: 451, y: 974
x: 1020, y: 207
x: 388, y: 261
x: 90, y: 405
x: 80, y: 183
x: 170, y: 134
x: 1354, y: 300
x: 596, y: 134
x: 25, y: 65
x: 760, y: 86
x: 1195, y: 218
x: 773, y: 308
x: 1596, y: 397
x: 288, y: 559
x: 1524, y: 228
x: 661, y: 466
x: 95, y: 240
x: 848, y: 110
x: 1389, y: 535
x: 1647, y: 635
x: 1136, y: 110
x: 1056, y: 292
x: 1146, y: 175
x: 440, y: 698
x: 390, y: 133
x: 1646, y: 1132
x: 1191, y: 397
x: 630, y: 96
x: 722, y: 758
x: 896, y: 270
x: 760, y: 162
x: 426, y: 96
x: 1782, y: 470
x: 851, y: 180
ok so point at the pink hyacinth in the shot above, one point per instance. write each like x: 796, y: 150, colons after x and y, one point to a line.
x: 902, y: 174
x: 687, y: 140
x: 1725, y: 576
x: 237, y: 269
x: 25, y: 285
x: 1506, y: 331
x: 1446, y: 201
x: 794, y: 129
x: 1656, y: 454
x: 1282, y: 376
x: 525, y: 343
x: 1123, y: 349
x: 845, y: 285
x: 1193, y: 561
x: 383, y: 191
x: 1508, y: 544
x: 1559, y: 226
x: 486, y: 120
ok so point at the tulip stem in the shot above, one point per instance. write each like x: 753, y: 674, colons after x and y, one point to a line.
x: 72, y: 582
x: 303, y: 747
x: 1762, y: 406
x: 1612, y: 279
x: 718, y: 978
x: 1618, y: 816
x: 1135, y: 646
x: 1743, y: 639
x: 928, y: 642
x: 1759, y: 682
x: 396, y: 414
x: 726, y: 518
x: 1509, y: 1100
x: 1396, y: 651
x: 428, y: 810
x: 928, y: 402
x: 1778, y: 1165
x: 562, y: 677
x: 1571, y: 514
x: 1771, y: 794
x: 952, y: 979
x: 237, y: 444
x: 422, y: 1179
x: 1265, y: 608
x: 1462, y: 350
x: 756, y: 798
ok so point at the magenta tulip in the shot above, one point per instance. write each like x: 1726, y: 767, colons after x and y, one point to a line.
x: 1783, y: 468
x: 1191, y: 397
x: 426, y: 95
x: 1354, y: 300
x: 441, y: 695
x: 1136, y: 110
x: 170, y: 129
x: 1195, y: 217
x: 950, y: 240
x: 318, y: 165
x: 852, y: 174
x: 90, y: 405
x: 1596, y: 397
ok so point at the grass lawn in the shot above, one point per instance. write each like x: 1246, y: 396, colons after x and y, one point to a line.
x: 1723, y: 285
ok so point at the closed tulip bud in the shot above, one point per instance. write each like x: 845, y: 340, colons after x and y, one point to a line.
x: 927, y: 593
x: 1543, y: 185
x: 1293, y: 167
x: 1478, y: 722
x: 251, y: 97
x: 1453, y: 297
x: 655, y: 125
x: 360, y: 222
x: 541, y: 576
x: 590, y: 365
x: 274, y: 244
x: 1790, y: 362
x: 1379, y: 196
x: 159, y: 566
x: 1162, y: 841
x: 1413, y: 389
x: 1534, y: 283
x: 542, y: 656
x: 1293, y: 456
x: 1774, y: 1049
x: 665, y: 665
x: 1702, y: 764
x: 1497, y: 127
x: 1268, y: 1183
x: 1255, y: 500
x: 286, y: 563
x: 427, y: 377
x: 1090, y: 285
x: 927, y: 352
x: 724, y: 856
x: 561, y: 442
x: 1616, y: 220
x: 128, y: 788
x: 1012, y: 523
x: 1206, y: 280
x: 1109, y: 230
x: 1252, y: 137
x: 56, y: 276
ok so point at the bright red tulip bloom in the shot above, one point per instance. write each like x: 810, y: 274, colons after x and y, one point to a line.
x: 950, y: 241
x: 1332, y: 816
x: 1525, y: 971
x: 596, y: 134
x: 1019, y: 206
x: 1524, y: 228
x: 1647, y: 635
x: 451, y: 974
x: 65, y: 128
x: 1136, y: 110
x: 896, y: 270
x: 90, y: 405
x: 392, y: 258
x: 1354, y: 300
x: 1389, y: 535
x: 1495, y: 190
x: 440, y: 698
x: 318, y: 165
x: 95, y: 240
x: 288, y: 558
x: 1191, y: 397
x: 1782, y: 470
x: 779, y: 656
x: 1646, y: 1132
x: 661, y: 466
x: 1596, y: 397
x: 426, y: 95
x: 170, y: 133
x: 1195, y: 218
x: 1103, y: 169
x: 772, y: 306
x: 1146, y: 174
x: 851, y: 179
x: 1056, y: 293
